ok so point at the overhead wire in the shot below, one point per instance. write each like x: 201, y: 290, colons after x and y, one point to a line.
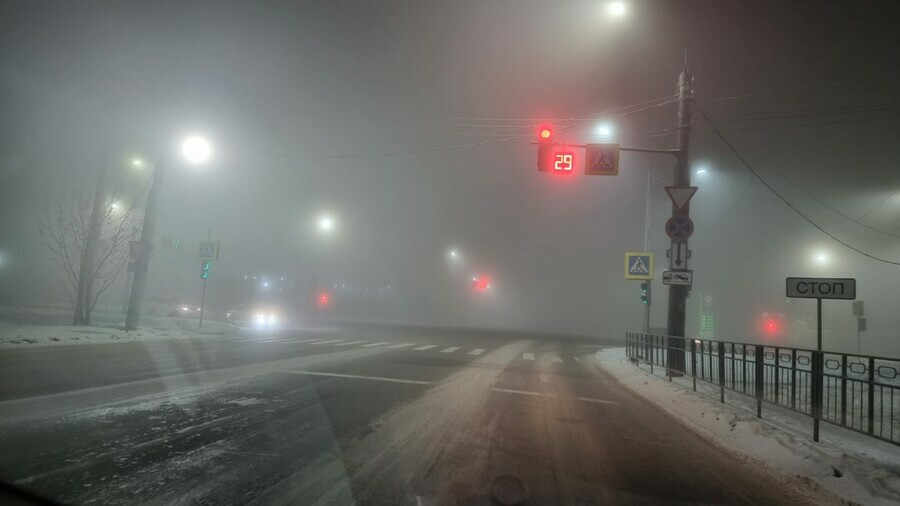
x: 778, y: 194
x: 660, y: 101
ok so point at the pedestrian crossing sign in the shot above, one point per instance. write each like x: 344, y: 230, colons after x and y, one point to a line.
x: 209, y: 250
x: 639, y: 266
x: 601, y: 159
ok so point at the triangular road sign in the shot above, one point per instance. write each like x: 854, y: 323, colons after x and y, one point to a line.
x: 681, y: 195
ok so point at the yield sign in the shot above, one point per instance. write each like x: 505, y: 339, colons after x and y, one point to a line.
x: 681, y: 195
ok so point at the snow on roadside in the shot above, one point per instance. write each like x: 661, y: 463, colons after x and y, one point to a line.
x: 869, y: 469
x: 40, y: 329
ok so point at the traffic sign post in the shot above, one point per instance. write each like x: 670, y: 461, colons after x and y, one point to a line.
x: 683, y: 278
x: 678, y: 254
x: 601, y: 159
x: 819, y: 288
x: 209, y: 250
x: 681, y: 195
x: 679, y: 228
x: 639, y: 266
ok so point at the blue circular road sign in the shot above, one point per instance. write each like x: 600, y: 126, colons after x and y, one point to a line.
x: 679, y: 228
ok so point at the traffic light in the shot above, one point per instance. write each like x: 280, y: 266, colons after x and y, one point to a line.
x: 545, y: 149
x: 645, y: 292
x: 204, y: 269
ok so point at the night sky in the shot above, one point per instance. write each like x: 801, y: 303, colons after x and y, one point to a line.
x: 410, y: 121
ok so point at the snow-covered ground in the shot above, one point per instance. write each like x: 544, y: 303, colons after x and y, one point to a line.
x: 855, y: 467
x: 24, y: 328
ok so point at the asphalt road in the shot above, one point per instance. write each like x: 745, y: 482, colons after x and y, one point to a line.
x: 351, y: 416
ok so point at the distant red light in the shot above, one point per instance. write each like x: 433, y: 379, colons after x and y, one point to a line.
x: 324, y: 299
x: 482, y: 283
x: 772, y: 325
x: 545, y: 133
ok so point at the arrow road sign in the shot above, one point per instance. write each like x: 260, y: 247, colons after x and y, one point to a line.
x: 681, y: 195
x: 685, y: 278
x: 679, y: 228
x: 678, y: 256
x: 639, y: 266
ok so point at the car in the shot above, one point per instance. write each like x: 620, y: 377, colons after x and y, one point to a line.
x: 254, y: 316
x: 185, y: 311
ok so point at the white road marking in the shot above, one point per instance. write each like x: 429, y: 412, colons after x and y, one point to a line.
x: 351, y: 342
x: 528, y: 356
x: 375, y: 344
x: 278, y: 340
x: 450, y: 349
x: 521, y: 392
x: 557, y: 359
x: 426, y: 347
x: 307, y: 341
x: 541, y: 394
x: 356, y: 376
x: 330, y: 342
x: 404, y: 345
x: 477, y: 351
x: 598, y: 401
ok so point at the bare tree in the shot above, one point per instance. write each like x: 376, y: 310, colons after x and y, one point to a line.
x: 89, y: 264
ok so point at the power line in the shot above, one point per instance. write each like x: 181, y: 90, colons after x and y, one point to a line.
x: 653, y: 103
x: 782, y: 198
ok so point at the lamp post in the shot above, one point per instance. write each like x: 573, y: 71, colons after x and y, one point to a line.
x: 195, y: 150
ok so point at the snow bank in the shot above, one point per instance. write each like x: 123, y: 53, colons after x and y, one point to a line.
x: 855, y: 467
x: 25, y: 329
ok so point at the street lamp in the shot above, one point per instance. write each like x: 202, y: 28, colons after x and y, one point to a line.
x: 325, y: 224
x: 604, y: 131
x: 137, y: 163
x: 616, y: 9
x: 195, y: 150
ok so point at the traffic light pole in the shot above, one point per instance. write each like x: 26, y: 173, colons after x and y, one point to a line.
x: 148, y: 231
x: 203, y: 295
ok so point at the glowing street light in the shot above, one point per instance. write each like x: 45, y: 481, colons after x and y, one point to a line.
x: 137, y: 163
x: 616, y: 9
x: 821, y: 258
x: 325, y: 224
x: 196, y: 150
x: 701, y: 171
x: 604, y: 131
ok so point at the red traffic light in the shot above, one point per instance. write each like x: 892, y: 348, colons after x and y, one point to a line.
x: 545, y: 148
x: 324, y: 299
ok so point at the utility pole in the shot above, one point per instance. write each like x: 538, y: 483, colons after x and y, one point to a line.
x: 647, y: 248
x: 678, y: 293
x: 148, y: 231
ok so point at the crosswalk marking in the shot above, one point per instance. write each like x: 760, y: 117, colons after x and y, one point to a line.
x: 477, y: 351
x: 404, y: 345
x: 351, y: 342
x: 450, y: 349
x: 375, y: 344
x: 426, y: 347
x: 557, y: 359
x: 528, y: 356
x: 330, y: 342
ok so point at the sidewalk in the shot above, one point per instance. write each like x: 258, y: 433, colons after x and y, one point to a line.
x: 26, y: 328
x: 855, y: 467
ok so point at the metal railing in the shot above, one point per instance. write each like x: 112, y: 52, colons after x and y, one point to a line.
x: 858, y: 392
